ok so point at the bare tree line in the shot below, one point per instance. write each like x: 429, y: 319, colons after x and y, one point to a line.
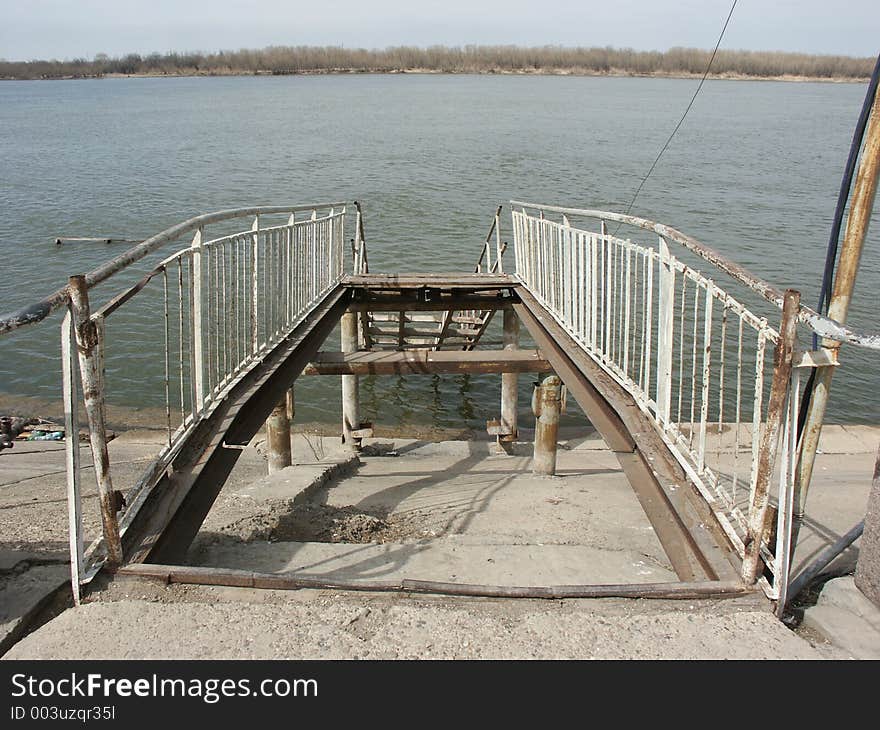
x: 467, y: 59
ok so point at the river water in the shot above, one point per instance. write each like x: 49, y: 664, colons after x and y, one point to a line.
x: 753, y: 172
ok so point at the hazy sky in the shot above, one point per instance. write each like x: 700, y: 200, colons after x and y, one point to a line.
x: 66, y: 29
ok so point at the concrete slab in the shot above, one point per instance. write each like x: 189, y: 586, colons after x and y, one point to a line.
x: 480, y: 506
x: 23, y: 593
x: 846, y: 618
x: 457, y: 558
x: 158, y: 622
x: 460, y: 511
x: 33, y: 516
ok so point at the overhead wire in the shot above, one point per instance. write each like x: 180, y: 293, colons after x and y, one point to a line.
x: 684, y: 115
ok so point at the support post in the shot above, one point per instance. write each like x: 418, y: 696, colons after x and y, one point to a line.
x: 546, y: 402
x: 509, y: 381
x: 88, y: 347
x: 351, y: 419
x: 776, y: 413
x: 665, y: 324
x: 198, y: 373
x: 71, y: 453
x: 844, y: 283
x: 278, y: 437
x: 291, y: 414
x: 255, y: 285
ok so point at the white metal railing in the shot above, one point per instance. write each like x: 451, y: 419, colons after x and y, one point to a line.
x: 694, y: 358
x: 216, y: 308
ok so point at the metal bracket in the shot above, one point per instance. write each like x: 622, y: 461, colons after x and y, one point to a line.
x: 824, y: 357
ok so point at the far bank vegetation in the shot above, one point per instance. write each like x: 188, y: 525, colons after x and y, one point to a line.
x: 468, y: 59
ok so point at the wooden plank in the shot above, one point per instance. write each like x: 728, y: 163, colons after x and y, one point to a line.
x: 415, y: 362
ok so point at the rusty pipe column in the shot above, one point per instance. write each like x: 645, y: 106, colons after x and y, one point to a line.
x: 546, y: 404
x: 844, y: 283
x: 509, y: 381
x: 351, y: 418
x: 291, y: 413
x: 278, y: 437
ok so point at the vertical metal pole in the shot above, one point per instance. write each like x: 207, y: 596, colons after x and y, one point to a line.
x: 498, y: 251
x: 71, y: 453
x: 509, y: 381
x: 197, y: 321
x: 665, y: 335
x: 291, y: 412
x: 546, y: 405
x: 760, y: 498
x: 278, y: 437
x: 844, y: 284
x: 88, y: 346
x: 351, y: 419
x: 255, y: 288
x: 786, y: 498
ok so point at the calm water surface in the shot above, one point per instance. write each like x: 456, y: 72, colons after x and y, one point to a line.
x: 753, y: 172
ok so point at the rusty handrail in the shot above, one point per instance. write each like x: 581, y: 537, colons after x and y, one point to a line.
x: 821, y: 325
x: 38, y: 311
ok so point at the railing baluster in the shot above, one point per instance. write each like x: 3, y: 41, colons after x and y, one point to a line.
x: 196, y: 272
x: 707, y: 360
x: 167, y: 378
x: 665, y: 334
x: 71, y: 452
x: 255, y: 286
x: 649, y: 318
x: 180, y: 345
x: 694, y: 368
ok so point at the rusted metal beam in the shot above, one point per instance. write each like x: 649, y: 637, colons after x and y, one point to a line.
x: 425, y: 362
x: 760, y: 498
x: 191, y: 575
x: 393, y: 282
x: 455, y: 303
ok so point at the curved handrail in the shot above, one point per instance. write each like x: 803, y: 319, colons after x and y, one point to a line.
x: 821, y: 325
x: 40, y: 310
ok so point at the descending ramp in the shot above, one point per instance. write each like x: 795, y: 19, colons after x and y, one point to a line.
x: 694, y: 393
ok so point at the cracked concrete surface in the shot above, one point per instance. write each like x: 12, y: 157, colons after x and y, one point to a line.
x: 459, y: 506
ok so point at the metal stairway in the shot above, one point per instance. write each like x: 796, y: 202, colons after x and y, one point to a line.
x: 415, y: 329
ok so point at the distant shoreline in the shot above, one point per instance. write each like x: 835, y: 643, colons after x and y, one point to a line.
x: 792, y: 78
x: 507, y: 60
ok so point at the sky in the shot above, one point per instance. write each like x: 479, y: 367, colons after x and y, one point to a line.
x: 32, y: 29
